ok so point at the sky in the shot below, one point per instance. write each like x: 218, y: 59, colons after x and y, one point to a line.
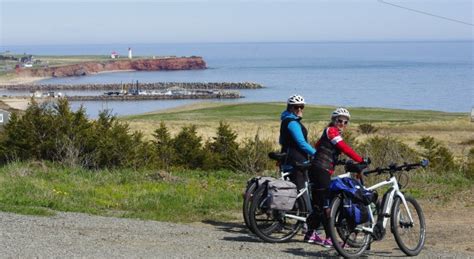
x: 27, y: 22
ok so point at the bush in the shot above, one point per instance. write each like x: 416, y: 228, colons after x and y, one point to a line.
x: 253, y: 156
x: 51, y: 131
x: 187, y: 145
x: 350, y: 138
x: 223, y: 148
x: 112, y: 142
x: 469, y: 169
x: 164, y: 152
x: 441, y: 159
x: 141, y: 153
x: 386, y: 150
x: 367, y: 128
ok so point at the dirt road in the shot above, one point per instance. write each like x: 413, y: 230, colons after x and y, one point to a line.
x: 81, y: 235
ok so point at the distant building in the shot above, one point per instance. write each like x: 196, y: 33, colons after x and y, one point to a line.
x: 472, y: 114
x: 26, y: 59
x: 130, y: 53
x: 4, y: 117
x: 114, y: 55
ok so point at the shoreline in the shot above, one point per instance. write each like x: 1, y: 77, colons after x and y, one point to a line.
x: 20, y: 80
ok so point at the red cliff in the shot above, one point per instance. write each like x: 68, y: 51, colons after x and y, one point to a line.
x: 184, y: 63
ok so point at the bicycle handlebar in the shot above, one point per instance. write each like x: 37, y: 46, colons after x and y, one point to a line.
x: 392, y: 168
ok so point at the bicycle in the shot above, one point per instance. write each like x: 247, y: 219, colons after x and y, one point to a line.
x: 405, y: 215
x: 275, y: 225
x: 254, y: 183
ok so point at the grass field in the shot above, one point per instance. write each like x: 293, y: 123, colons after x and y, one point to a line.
x: 453, y: 129
x: 182, y: 196
x: 269, y: 112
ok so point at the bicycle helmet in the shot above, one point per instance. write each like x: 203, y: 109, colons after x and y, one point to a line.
x: 295, y: 100
x: 340, y: 112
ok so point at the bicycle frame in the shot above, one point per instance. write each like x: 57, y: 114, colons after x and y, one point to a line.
x: 394, y: 191
x: 306, y: 190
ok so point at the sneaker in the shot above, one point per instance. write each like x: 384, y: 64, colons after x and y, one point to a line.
x: 327, y: 243
x: 307, y: 235
x: 315, y: 238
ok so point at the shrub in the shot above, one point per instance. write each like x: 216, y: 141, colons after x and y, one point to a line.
x: 350, y: 138
x: 223, y: 148
x: 386, y: 150
x: 141, y: 153
x: 469, y: 169
x: 367, y: 128
x: 253, y: 156
x: 50, y: 131
x: 112, y: 142
x: 441, y: 159
x: 187, y: 145
x: 164, y: 151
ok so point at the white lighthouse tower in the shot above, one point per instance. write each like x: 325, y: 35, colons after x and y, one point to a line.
x: 130, y: 53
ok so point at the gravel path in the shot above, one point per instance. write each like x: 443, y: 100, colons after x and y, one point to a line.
x: 81, y: 235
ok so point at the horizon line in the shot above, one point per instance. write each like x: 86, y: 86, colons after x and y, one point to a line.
x: 252, y: 42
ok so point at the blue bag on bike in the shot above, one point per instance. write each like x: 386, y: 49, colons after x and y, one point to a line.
x: 355, y: 199
x: 356, y: 213
x: 353, y: 189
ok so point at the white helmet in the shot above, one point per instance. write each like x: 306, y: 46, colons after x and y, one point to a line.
x: 295, y: 99
x: 340, y: 112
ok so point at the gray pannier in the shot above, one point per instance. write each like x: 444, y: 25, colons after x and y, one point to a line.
x: 282, y: 194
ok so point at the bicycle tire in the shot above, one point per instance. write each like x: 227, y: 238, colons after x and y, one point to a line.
x: 270, y: 225
x: 345, y: 239
x: 248, y: 196
x: 402, y: 228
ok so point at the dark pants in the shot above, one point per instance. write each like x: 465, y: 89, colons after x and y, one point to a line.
x: 297, y: 177
x: 320, y: 179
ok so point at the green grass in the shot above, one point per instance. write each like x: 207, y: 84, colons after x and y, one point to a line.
x: 189, y: 196
x: 182, y: 196
x: 271, y: 112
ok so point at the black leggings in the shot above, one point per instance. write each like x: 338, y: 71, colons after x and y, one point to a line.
x: 320, y: 180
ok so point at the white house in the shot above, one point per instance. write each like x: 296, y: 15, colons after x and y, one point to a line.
x: 4, y: 117
x: 114, y: 55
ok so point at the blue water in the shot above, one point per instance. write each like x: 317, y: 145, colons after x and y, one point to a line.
x: 406, y: 75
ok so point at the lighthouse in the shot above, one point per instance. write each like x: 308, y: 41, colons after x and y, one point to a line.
x: 130, y: 53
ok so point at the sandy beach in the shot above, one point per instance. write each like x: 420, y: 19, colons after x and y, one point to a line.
x: 19, y: 80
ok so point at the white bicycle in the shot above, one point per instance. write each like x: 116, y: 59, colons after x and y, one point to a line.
x: 405, y: 215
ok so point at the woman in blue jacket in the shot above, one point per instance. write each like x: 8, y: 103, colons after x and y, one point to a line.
x: 294, y: 137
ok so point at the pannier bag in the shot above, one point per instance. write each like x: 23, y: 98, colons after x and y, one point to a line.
x: 282, y: 194
x: 356, y: 213
x: 355, y: 199
x: 259, y: 180
x: 353, y: 189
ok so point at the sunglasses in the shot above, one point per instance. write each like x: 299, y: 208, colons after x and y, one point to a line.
x: 343, y: 121
x: 296, y: 107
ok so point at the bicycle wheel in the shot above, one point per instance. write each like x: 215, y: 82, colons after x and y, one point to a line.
x: 410, y: 236
x: 349, y: 241
x: 272, y: 225
x: 248, y: 196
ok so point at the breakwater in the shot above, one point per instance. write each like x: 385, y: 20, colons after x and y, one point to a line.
x: 141, y: 86
x: 219, y: 95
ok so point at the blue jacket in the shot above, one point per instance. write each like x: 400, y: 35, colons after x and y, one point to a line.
x: 297, y: 133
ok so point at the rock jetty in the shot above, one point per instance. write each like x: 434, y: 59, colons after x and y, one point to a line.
x: 92, y: 67
x: 217, y: 95
x: 141, y: 86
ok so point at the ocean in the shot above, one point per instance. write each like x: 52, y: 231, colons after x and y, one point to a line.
x: 405, y: 75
